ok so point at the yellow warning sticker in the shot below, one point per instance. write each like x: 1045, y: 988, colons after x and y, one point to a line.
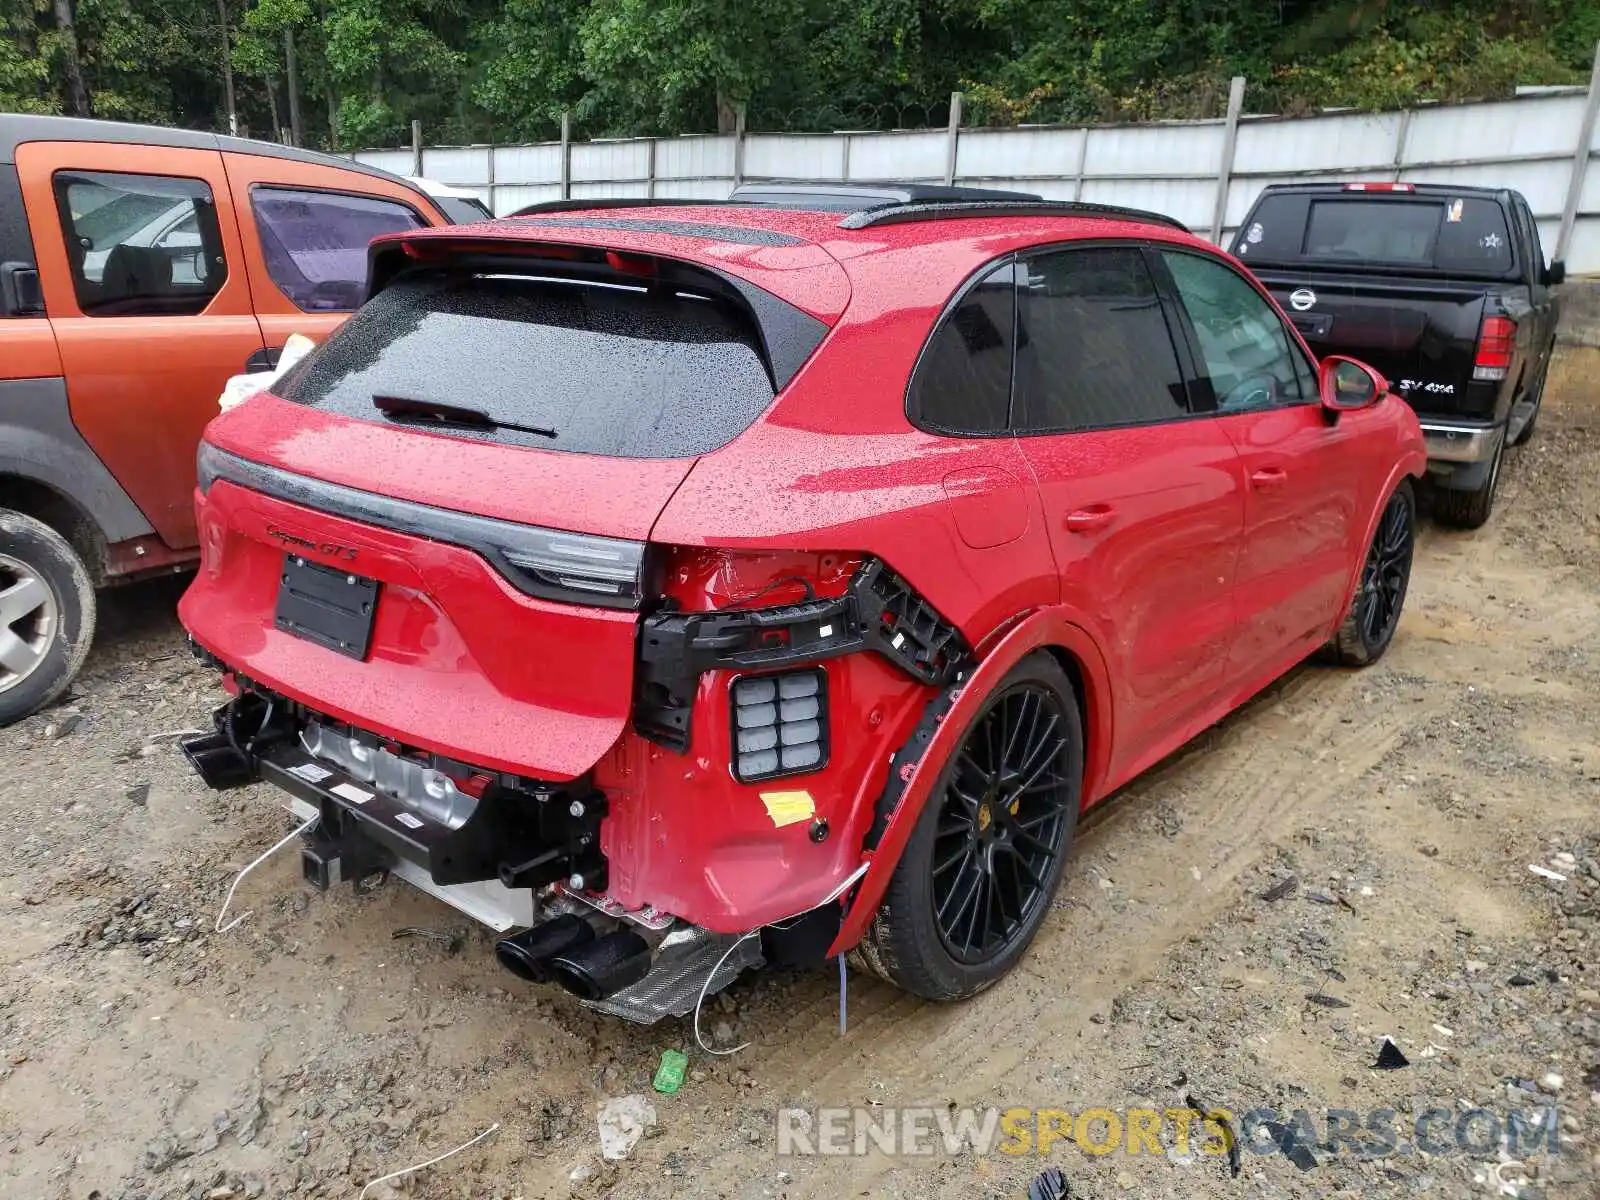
x: 789, y: 808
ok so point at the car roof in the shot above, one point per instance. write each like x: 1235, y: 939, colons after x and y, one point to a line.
x: 18, y: 128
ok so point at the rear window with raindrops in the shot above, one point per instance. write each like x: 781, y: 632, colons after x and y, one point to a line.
x: 583, y: 367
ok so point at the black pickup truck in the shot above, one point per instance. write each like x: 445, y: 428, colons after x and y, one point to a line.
x: 1443, y: 289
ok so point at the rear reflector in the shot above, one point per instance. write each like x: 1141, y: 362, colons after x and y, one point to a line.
x: 1380, y: 187
x: 780, y: 724
x: 1496, y: 340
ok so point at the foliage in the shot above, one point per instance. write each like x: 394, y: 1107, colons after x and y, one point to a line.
x: 479, y: 70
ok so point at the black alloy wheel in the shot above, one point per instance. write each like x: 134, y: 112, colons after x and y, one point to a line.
x: 1000, y: 823
x: 1385, y: 575
x: 975, y: 880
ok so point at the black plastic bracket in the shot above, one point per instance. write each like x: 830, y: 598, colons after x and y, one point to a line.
x: 879, y: 612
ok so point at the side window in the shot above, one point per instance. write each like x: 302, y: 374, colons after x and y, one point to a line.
x: 140, y: 245
x: 1250, y: 359
x: 315, y: 243
x: 963, y: 379
x: 1093, y: 347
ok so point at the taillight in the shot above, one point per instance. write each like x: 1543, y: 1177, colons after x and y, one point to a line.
x: 1380, y: 187
x: 1497, y: 339
x: 576, y: 567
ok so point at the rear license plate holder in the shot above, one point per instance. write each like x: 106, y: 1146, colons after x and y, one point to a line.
x: 332, y: 608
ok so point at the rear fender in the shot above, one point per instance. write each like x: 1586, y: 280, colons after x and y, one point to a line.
x: 916, y: 769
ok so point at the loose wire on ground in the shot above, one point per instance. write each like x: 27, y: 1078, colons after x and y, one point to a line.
x: 239, y: 878
x: 421, y: 1165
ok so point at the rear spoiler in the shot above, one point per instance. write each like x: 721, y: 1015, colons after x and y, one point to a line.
x: 787, y: 336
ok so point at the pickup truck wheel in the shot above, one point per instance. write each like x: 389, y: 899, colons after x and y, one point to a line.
x: 47, y: 611
x: 1381, y: 594
x: 1469, y: 510
x: 977, y: 875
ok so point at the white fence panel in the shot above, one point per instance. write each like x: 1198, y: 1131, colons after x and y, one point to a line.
x: 907, y: 156
x: 794, y: 156
x: 694, y: 158
x: 528, y: 164
x: 1357, y: 142
x: 1019, y: 154
x: 600, y: 161
x: 1155, y: 150
x: 1499, y: 130
x: 459, y: 166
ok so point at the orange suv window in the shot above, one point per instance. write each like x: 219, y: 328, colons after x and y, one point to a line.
x: 140, y: 245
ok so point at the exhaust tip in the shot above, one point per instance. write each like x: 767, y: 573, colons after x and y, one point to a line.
x: 526, y: 955
x: 603, y: 967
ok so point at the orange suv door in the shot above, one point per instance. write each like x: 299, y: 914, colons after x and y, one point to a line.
x: 306, y: 227
x: 145, y: 288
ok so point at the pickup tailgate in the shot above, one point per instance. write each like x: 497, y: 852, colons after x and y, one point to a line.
x: 1421, y: 334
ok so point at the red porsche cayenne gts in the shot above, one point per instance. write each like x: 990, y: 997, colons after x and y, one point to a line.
x: 682, y: 587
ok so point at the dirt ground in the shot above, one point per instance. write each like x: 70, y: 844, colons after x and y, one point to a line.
x: 308, y: 1051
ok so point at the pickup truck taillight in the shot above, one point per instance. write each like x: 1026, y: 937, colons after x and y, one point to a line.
x: 1496, y: 338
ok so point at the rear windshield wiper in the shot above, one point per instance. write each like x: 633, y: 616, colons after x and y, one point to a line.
x: 447, y: 416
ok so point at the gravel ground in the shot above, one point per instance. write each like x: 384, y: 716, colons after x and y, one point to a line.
x: 308, y: 1051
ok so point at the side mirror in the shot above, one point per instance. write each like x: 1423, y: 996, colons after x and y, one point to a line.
x: 1347, y: 385
x: 1555, y: 273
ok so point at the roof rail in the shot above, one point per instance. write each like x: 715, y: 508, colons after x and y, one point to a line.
x: 900, y: 214
x: 561, y: 206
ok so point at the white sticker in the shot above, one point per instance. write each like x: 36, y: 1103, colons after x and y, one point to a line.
x: 310, y: 772
x: 408, y: 820
x: 350, y: 792
x: 825, y: 631
x: 1453, y: 213
x: 1490, y: 241
x: 1253, y: 235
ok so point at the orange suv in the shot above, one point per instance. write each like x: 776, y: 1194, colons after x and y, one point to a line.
x: 140, y: 268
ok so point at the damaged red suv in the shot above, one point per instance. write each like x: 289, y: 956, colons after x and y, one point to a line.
x: 679, y: 588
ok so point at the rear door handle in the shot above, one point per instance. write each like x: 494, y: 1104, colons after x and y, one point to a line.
x: 1085, y: 520
x: 1269, y: 477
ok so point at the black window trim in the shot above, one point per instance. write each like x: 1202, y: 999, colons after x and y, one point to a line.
x: 347, y: 193
x: 1202, y: 379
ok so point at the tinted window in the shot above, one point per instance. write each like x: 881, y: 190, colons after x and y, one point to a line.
x: 315, y: 243
x: 963, y: 380
x: 1093, y: 349
x: 1459, y: 235
x: 1250, y: 359
x: 140, y: 245
x: 604, y: 369
x: 463, y: 211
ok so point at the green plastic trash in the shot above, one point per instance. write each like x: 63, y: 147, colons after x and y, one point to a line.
x: 669, y: 1075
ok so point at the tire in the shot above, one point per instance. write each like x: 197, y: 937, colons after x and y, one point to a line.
x: 47, y: 613
x: 1470, y: 510
x: 1381, y: 594
x: 967, y: 822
